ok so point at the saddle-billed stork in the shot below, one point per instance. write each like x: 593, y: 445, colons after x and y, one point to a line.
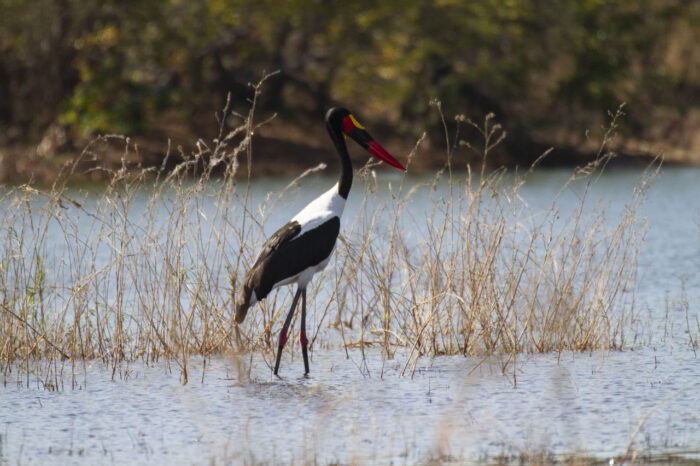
x: 302, y: 247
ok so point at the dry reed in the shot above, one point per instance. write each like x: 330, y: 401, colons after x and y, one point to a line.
x: 145, y: 269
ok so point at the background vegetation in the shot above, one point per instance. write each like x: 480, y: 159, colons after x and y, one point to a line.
x: 549, y: 70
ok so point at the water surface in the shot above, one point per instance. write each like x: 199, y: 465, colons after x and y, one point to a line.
x: 645, y: 398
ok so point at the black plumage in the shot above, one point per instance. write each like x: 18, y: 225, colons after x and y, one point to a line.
x: 285, y: 255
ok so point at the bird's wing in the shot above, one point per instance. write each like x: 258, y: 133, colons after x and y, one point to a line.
x: 274, y: 242
x: 252, y: 278
x: 308, y: 249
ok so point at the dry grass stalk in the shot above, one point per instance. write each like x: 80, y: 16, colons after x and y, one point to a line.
x: 146, y: 269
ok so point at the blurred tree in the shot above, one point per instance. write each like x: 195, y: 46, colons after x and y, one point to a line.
x: 115, y: 65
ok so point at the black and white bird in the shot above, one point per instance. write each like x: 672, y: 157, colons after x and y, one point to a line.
x: 303, y: 247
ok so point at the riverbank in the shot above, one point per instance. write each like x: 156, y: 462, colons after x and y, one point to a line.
x: 287, y: 148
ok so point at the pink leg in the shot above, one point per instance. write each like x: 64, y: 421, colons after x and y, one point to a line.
x: 284, y: 331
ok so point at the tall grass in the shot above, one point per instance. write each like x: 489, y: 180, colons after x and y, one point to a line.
x: 488, y: 273
x: 146, y: 268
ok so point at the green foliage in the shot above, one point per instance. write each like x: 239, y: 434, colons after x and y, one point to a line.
x: 113, y: 65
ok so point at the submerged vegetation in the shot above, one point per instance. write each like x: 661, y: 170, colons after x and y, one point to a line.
x: 145, y: 269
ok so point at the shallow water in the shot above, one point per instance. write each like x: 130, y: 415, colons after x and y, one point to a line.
x: 454, y: 408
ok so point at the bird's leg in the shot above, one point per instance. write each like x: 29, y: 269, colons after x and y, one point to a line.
x: 302, y: 333
x: 285, y: 328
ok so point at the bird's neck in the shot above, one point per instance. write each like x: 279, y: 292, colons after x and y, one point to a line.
x: 345, y: 180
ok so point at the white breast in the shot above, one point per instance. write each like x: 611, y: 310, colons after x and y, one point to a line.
x: 328, y: 205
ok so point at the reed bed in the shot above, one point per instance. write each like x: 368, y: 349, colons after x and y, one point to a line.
x: 488, y: 274
x: 146, y: 268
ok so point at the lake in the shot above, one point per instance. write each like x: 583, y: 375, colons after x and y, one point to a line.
x: 643, y: 400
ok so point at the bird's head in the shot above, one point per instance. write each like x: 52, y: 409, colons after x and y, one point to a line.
x: 341, y: 121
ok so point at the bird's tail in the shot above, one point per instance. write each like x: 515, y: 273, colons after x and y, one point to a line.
x: 241, y: 311
x: 243, y: 303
